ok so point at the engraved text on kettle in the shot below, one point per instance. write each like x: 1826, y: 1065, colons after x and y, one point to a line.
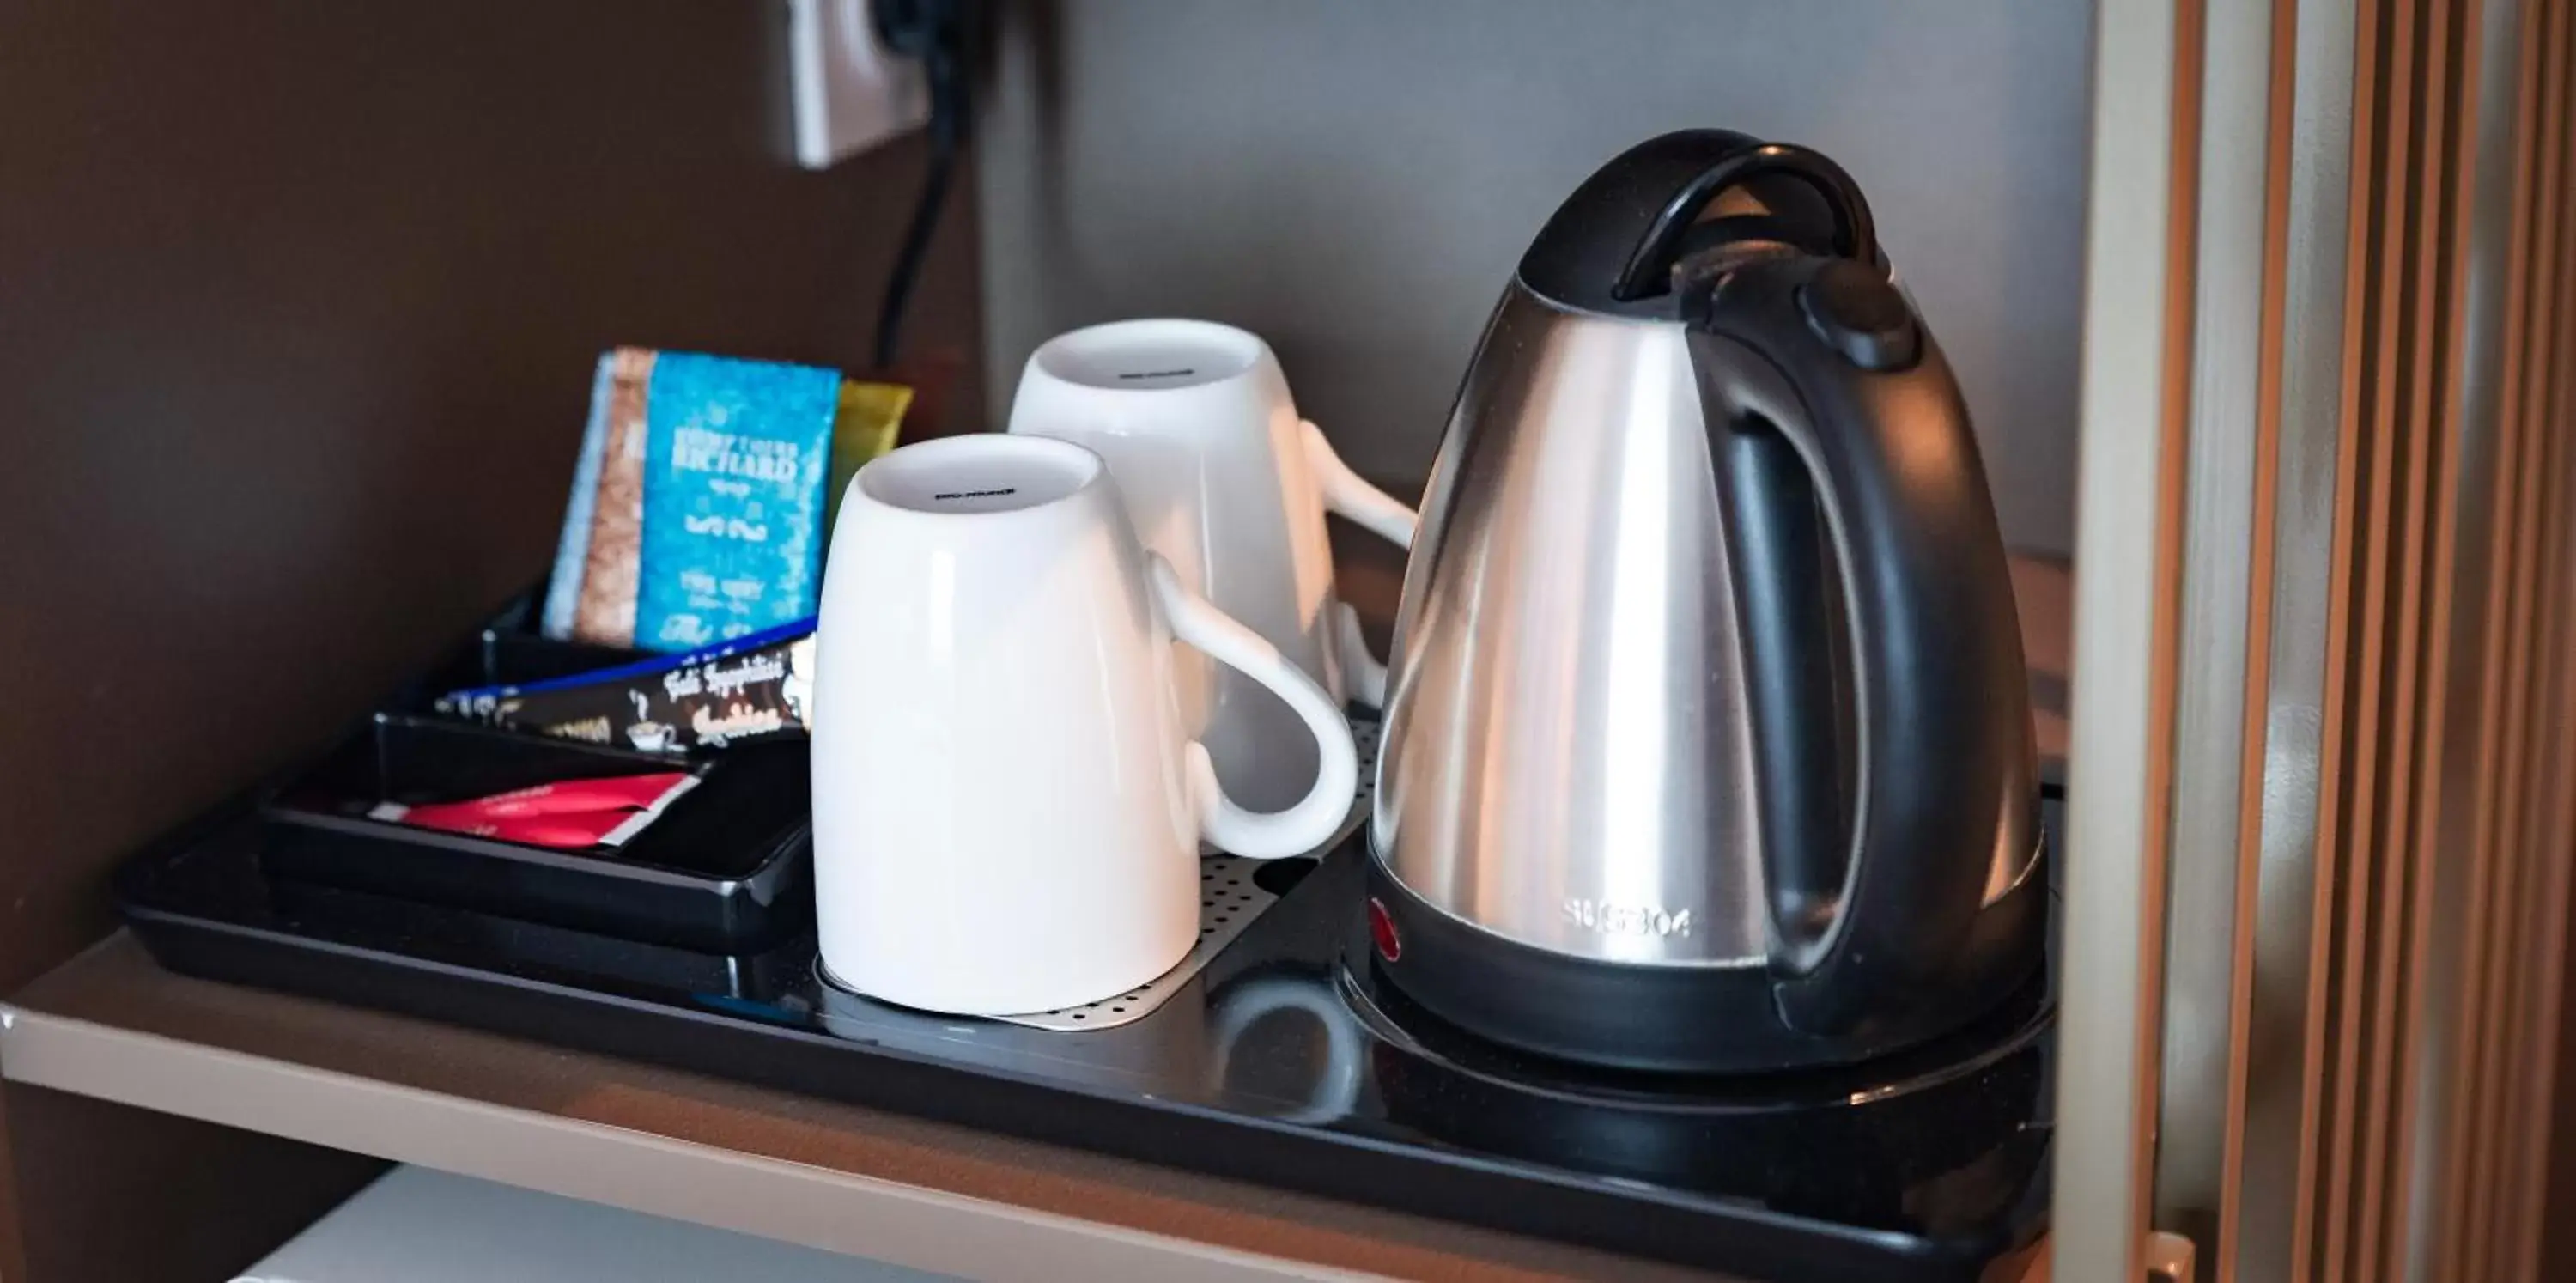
x: 1626, y: 919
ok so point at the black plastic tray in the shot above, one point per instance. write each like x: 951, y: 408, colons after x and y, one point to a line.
x: 726, y: 867
x: 508, y: 651
x: 1286, y: 1061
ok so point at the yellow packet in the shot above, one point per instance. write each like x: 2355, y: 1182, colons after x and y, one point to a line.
x: 866, y: 424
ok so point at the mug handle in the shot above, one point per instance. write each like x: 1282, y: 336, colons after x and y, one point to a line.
x: 1228, y: 826
x: 1347, y: 493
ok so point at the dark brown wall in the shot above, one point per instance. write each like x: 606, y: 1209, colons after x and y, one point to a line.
x: 98, y: 1172
x: 298, y: 302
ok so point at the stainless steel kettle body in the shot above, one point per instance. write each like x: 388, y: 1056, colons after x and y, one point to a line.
x: 1707, y: 745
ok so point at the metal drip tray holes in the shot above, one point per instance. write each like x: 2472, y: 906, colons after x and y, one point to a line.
x: 1229, y: 900
x: 1364, y: 733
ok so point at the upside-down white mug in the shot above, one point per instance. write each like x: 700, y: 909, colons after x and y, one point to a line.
x: 1226, y: 482
x: 1007, y: 807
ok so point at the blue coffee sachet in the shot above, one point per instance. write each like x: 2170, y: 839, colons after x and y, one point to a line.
x: 735, y: 461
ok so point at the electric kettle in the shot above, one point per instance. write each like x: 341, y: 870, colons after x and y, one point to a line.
x: 1707, y: 742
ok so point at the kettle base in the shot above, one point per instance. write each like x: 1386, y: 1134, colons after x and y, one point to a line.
x: 1663, y: 1019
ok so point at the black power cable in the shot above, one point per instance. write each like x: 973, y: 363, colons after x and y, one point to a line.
x: 934, y: 32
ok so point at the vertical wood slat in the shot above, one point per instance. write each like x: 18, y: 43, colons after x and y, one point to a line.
x: 2473, y: 1104
x: 2504, y: 1047
x: 2439, y: 177
x: 2413, y: 132
x: 2557, y: 839
x: 2509, y: 1045
x: 2190, y: 34
x: 2362, y: 950
x: 2546, y: 793
x: 2260, y: 587
x: 2451, y: 878
x: 2446, y: 180
x: 2509, y: 1048
x: 2223, y: 511
x: 2353, y: 632
x: 2547, y: 763
x: 2441, y: 189
x: 2285, y: 881
x: 2323, y: 1113
x: 2501, y: 1050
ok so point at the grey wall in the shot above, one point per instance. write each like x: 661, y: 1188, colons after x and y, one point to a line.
x: 1355, y: 179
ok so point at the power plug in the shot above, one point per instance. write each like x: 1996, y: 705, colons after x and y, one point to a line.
x: 851, y: 92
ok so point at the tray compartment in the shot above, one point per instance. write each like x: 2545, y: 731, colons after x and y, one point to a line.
x: 507, y: 651
x: 726, y: 867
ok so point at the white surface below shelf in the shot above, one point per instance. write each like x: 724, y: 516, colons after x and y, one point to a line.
x: 420, y: 1225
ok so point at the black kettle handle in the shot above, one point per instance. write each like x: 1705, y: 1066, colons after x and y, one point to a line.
x: 1826, y: 354
x: 1649, y: 266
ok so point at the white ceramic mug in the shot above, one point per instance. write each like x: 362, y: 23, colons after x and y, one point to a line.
x: 1007, y: 807
x: 1226, y: 482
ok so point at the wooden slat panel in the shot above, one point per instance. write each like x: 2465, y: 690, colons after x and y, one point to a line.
x: 2466, y: 566
x: 2436, y: 877
x: 2524, y: 1182
x: 2506, y: 1124
x: 2447, y: 179
x: 2356, y: 635
x: 2261, y: 587
x: 2190, y: 36
x: 2438, y: 193
x: 2390, y: 1034
x: 2473, y: 1102
x: 2326, y: 1109
x: 2402, y: 416
x: 2490, y: 1213
x: 2539, y: 1187
x: 2297, y: 563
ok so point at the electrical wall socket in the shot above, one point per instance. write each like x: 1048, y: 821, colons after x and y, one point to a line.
x: 850, y: 91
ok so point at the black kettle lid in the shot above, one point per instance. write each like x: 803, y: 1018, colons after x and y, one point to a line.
x: 1610, y: 247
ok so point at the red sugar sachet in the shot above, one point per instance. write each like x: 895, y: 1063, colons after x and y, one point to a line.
x: 565, y: 814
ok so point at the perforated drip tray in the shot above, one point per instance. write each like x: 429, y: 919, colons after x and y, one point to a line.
x: 1233, y: 893
x: 1229, y: 900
